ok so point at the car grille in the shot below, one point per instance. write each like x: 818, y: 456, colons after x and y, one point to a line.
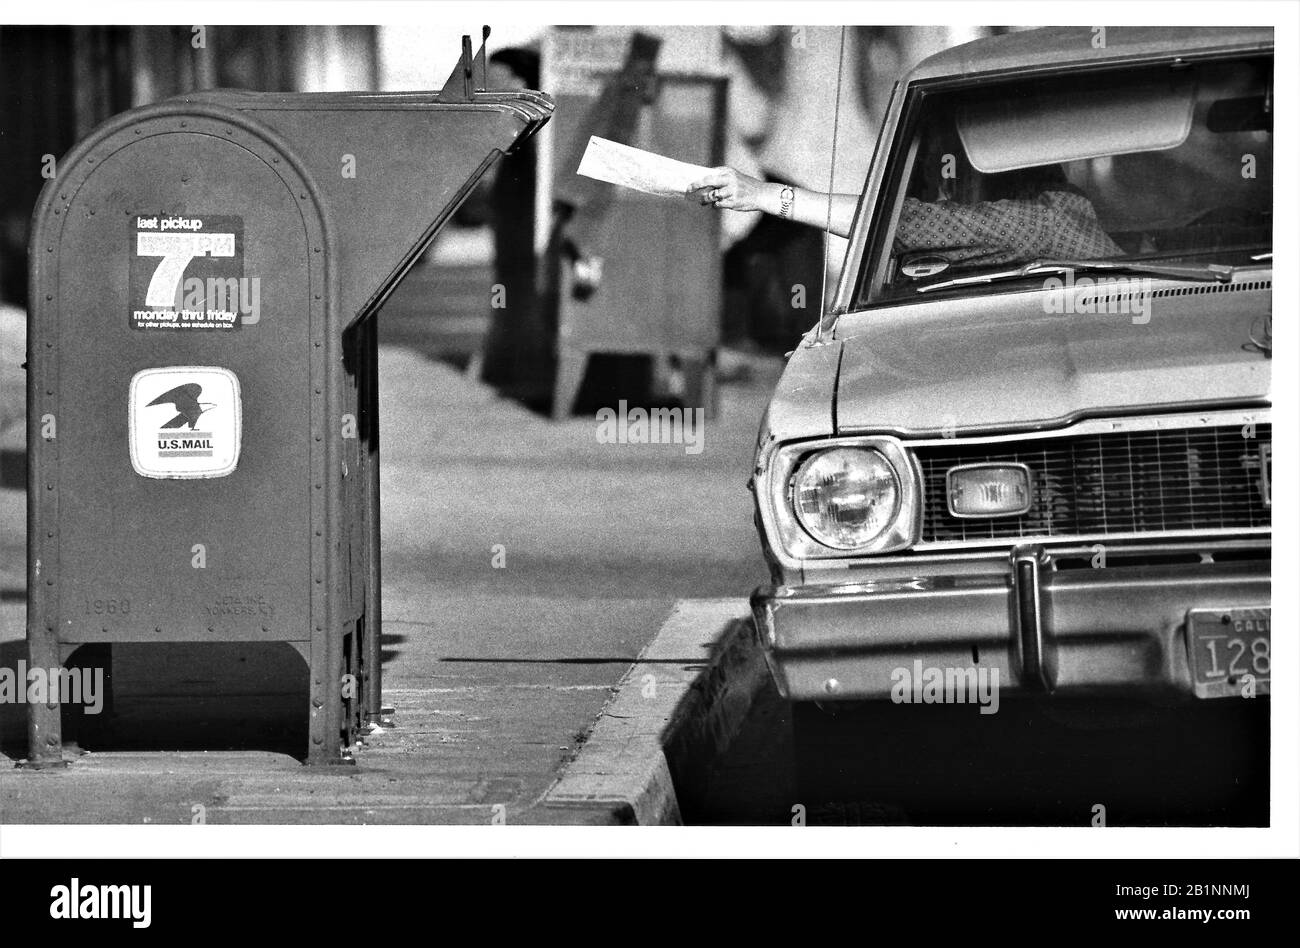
x: 1132, y: 482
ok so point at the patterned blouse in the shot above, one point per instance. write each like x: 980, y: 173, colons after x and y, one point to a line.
x: 1058, y: 224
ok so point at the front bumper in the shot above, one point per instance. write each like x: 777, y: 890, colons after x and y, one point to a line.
x: 1044, y: 628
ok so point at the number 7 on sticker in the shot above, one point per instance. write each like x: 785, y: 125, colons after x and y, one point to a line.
x: 177, y: 250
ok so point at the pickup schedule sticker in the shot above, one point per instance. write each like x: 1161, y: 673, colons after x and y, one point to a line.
x: 187, y: 272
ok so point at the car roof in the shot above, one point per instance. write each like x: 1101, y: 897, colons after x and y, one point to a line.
x: 1059, y: 45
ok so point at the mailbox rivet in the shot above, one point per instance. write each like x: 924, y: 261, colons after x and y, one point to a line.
x: 210, y: 629
x: 49, y: 296
x: 275, y: 161
x: 92, y: 212
x: 49, y: 250
x: 317, y: 249
x: 317, y: 296
x: 316, y: 740
x: 182, y: 124
x: 49, y: 582
x: 49, y: 487
x: 157, y: 628
x: 137, y: 131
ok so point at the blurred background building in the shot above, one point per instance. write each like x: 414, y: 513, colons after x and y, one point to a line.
x: 777, y: 121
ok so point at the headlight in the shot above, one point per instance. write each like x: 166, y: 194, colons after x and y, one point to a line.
x: 840, y: 497
x: 846, y: 497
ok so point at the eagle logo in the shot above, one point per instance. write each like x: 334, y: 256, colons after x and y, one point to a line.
x: 185, y: 399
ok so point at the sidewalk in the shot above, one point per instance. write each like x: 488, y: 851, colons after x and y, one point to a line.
x: 497, y: 675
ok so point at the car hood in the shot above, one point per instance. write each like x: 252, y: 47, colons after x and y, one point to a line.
x: 1039, y: 358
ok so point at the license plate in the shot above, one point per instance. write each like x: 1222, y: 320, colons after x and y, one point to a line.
x: 1230, y: 651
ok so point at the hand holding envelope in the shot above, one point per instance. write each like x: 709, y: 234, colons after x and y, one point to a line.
x: 640, y: 170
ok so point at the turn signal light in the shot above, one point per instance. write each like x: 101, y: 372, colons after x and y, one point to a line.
x: 989, y: 490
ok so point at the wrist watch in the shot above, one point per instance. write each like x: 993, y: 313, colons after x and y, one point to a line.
x: 787, y: 201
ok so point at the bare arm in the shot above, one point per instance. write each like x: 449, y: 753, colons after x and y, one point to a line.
x: 730, y: 189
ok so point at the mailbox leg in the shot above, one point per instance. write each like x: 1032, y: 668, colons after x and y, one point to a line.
x: 44, y: 718
x: 373, y: 656
x: 322, y: 738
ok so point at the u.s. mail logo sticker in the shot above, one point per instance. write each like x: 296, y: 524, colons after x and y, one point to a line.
x: 185, y: 421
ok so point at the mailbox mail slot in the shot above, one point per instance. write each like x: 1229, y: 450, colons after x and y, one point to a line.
x: 202, y: 392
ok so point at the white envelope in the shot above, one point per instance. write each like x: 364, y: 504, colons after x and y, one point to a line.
x: 640, y: 170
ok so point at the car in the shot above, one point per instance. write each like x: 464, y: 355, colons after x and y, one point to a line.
x: 1028, y: 451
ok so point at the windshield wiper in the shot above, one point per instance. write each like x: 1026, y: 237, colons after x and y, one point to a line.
x: 1208, y: 272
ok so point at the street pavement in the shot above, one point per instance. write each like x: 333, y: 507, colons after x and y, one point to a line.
x: 496, y: 674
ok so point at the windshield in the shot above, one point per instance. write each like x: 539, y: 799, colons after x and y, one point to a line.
x: 1158, y: 165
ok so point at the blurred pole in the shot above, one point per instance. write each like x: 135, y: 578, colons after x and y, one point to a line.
x: 336, y: 58
x: 204, y: 58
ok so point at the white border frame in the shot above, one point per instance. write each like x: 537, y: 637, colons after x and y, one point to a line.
x: 1281, y: 839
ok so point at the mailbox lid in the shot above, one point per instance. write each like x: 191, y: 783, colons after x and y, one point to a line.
x: 391, y: 167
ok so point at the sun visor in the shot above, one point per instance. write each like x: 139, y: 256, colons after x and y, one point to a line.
x: 1004, y: 133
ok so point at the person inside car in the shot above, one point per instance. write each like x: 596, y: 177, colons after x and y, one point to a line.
x: 1024, y: 215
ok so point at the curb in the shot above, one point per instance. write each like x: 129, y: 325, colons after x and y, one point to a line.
x: 678, y: 706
